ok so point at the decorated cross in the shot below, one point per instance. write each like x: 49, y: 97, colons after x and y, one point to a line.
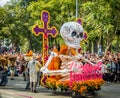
x: 45, y: 31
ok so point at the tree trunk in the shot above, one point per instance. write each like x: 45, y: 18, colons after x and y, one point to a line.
x: 117, y: 45
x: 109, y: 41
x: 89, y: 46
x: 108, y: 46
x: 95, y: 47
x: 100, y: 45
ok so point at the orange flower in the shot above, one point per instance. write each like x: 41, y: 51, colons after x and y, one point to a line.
x: 63, y: 49
x: 83, y: 86
x: 64, y: 85
x: 73, y: 51
x: 82, y: 89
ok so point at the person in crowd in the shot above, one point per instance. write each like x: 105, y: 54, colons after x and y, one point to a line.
x: 39, y: 73
x: 24, y: 68
x: 108, y: 76
x: 3, y: 72
x: 33, y: 67
x: 119, y: 65
x: 117, y: 69
x: 12, y: 65
x: 27, y: 77
x: 0, y: 49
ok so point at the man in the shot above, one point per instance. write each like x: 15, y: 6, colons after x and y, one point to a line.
x: 12, y: 64
x: 33, y: 67
x: 27, y: 77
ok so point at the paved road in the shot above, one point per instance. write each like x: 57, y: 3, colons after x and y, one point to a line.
x: 15, y: 89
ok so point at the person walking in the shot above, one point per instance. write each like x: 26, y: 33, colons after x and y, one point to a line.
x: 33, y: 67
x: 12, y: 64
x: 27, y: 77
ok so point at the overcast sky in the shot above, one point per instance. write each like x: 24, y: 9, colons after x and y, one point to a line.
x: 2, y: 2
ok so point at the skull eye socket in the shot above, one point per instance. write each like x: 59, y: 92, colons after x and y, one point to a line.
x: 74, y: 33
x: 81, y: 34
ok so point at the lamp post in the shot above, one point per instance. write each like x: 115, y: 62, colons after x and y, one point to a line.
x: 76, y: 9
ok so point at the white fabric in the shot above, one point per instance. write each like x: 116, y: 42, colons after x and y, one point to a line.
x: 31, y: 67
x: 32, y: 70
x: 33, y: 77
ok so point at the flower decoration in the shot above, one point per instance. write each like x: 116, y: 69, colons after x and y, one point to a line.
x: 87, y: 85
x: 63, y: 85
x: 63, y: 49
x: 51, y: 83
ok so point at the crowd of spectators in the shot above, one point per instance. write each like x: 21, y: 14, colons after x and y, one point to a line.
x: 111, y: 62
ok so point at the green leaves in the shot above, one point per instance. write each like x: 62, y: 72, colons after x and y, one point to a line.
x: 100, y: 18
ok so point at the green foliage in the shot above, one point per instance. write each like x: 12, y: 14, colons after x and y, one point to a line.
x: 96, y: 18
x: 101, y: 19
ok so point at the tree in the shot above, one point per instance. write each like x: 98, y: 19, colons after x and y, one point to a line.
x: 100, y: 21
x: 57, y: 8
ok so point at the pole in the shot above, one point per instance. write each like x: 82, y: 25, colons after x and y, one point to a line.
x: 76, y: 9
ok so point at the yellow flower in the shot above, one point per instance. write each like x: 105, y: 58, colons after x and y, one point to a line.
x: 83, y: 86
x: 82, y: 89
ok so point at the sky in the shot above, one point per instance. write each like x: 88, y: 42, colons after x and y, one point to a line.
x: 2, y: 2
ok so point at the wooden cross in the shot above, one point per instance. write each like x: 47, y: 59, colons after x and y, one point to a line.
x: 45, y: 31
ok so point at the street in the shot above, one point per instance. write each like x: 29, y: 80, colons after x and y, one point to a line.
x: 15, y: 89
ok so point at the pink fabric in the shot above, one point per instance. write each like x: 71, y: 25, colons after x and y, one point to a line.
x: 88, y: 72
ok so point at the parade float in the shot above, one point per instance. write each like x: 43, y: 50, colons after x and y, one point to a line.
x: 64, y: 69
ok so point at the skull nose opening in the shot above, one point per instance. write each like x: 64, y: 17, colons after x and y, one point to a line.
x: 81, y: 35
x: 77, y: 36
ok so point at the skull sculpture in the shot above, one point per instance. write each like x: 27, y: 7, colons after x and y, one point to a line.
x: 72, y: 33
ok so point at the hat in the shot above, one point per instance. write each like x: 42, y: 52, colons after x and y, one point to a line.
x: 34, y: 55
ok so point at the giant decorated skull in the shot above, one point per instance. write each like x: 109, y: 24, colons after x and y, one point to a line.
x: 72, y: 33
